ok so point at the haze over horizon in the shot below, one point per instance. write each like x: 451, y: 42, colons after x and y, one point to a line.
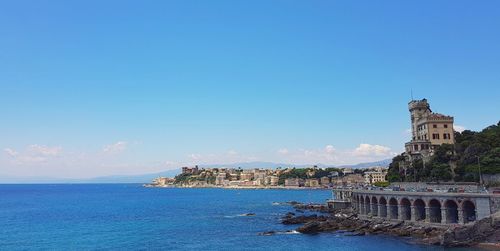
x: 97, y: 88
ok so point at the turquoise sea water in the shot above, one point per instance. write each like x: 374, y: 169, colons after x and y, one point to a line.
x: 131, y: 217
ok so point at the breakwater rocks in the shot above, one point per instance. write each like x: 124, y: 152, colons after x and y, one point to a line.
x: 484, y: 231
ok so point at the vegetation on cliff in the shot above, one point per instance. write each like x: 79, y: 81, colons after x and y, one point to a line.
x: 306, y: 173
x: 459, y: 162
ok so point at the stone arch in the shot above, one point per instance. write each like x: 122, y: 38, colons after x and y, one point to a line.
x: 393, y: 208
x: 374, y: 205
x: 367, y: 205
x: 354, y: 202
x: 451, y: 211
x: 405, y: 205
x: 469, y: 210
x: 435, y: 211
x: 419, y: 207
x: 361, y: 203
x: 383, y: 207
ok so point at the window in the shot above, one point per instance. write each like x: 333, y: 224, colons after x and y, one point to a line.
x: 445, y: 136
x: 434, y: 126
x: 435, y: 136
x: 445, y: 125
x: 415, y: 147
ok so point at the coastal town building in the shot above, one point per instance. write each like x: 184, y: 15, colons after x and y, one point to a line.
x: 311, y: 183
x: 347, y: 171
x: 292, y: 182
x: 428, y: 130
x: 220, y: 179
x: 325, y: 181
x: 351, y: 180
x: 163, y: 181
x: 271, y: 181
x: 233, y: 177
x: 371, y: 177
x: 246, y: 175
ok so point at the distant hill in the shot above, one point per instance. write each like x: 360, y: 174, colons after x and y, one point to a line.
x: 248, y: 165
x: 384, y: 163
x: 146, y: 178
x: 255, y: 164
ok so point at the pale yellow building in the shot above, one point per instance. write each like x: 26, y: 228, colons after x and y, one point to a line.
x: 374, y: 176
x: 246, y: 176
x: 312, y: 183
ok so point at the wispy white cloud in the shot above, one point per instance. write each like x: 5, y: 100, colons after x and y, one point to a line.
x: 54, y: 161
x: 329, y: 149
x: 45, y: 150
x: 33, y: 154
x: 10, y: 152
x: 372, y: 150
x: 331, y: 155
x: 283, y: 151
x: 459, y: 128
x: 115, y: 148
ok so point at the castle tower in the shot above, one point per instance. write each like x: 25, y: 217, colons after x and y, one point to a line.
x: 428, y: 130
x: 419, y: 109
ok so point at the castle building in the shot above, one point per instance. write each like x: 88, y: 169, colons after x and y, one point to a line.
x: 428, y: 130
x: 190, y: 170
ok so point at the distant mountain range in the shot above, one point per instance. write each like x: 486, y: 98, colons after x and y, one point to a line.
x: 146, y: 178
x: 248, y: 165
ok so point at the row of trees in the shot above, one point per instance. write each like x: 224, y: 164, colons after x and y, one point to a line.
x: 460, y: 162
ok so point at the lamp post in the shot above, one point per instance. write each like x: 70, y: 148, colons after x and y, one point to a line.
x: 479, y: 168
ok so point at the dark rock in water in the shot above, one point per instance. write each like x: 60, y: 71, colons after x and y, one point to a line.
x: 433, y: 240
x: 397, y: 224
x: 312, y: 207
x: 293, y: 203
x: 248, y: 214
x: 302, y: 219
x: 310, y: 228
x: 300, y: 211
x: 470, y: 234
x: 356, y: 234
x: 267, y: 233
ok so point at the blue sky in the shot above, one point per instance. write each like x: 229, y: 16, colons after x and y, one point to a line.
x: 91, y: 88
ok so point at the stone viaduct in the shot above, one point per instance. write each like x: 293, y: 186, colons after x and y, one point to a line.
x: 425, y: 207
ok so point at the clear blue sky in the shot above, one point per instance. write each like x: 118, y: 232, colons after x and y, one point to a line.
x: 91, y: 88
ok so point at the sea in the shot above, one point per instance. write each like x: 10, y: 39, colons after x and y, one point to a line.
x: 132, y: 217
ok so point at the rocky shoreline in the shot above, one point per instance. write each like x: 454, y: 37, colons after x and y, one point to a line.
x: 484, y: 233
